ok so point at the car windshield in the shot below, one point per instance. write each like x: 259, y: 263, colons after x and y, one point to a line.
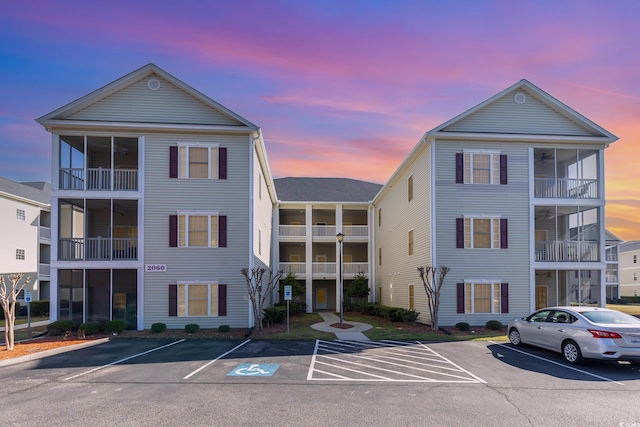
x: 610, y: 317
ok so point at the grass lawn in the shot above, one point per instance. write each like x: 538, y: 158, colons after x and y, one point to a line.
x: 633, y: 309
x: 300, y: 329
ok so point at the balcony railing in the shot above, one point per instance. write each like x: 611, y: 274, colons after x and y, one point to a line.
x: 566, y: 188
x: 324, y: 231
x: 294, y: 267
x: 98, y: 248
x: 324, y: 268
x: 612, y: 277
x: 566, y: 250
x: 293, y: 231
x: 44, y: 270
x: 356, y: 230
x: 98, y: 179
x: 45, y: 233
x: 355, y: 267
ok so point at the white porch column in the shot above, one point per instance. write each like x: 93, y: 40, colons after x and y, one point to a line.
x: 308, y: 256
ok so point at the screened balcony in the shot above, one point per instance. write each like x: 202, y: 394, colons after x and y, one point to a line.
x: 98, y: 163
x: 565, y: 173
x: 567, y: 234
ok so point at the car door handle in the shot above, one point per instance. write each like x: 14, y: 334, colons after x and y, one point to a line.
x: 560, y: 330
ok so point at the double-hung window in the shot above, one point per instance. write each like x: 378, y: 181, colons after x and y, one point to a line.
x: 481, y: 232
x: 197, y: 299
x: 198, y: 161
x: 20, y: 214
x: 483, y: 297
x: 481, y: 167
x: 198, y: 230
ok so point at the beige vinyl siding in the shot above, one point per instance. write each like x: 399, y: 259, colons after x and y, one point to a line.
x: 507, y: 201
x: 399, y: 270
x: 627, y: 269
x: 263, y: 215
x: 137, y: 103
x: 165, y: 196
x: 506, y: 116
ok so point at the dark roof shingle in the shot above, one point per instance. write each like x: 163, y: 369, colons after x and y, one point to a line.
x: 296, y: 189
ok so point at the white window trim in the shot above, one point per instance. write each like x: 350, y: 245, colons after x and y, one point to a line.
x: 186, y: 302
x: 185, y: 174
x: 495, y: 234
x: 494, y: 174
x: 186, y: 237
x: 474, y: 282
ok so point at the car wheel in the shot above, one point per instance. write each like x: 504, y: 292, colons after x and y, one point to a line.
x: 514, y: 337
x: 571, y: 352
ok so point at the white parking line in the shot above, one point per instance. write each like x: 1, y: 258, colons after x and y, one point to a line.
x: 122, y: 360
x: 217, y: 358
x: 559, y: 364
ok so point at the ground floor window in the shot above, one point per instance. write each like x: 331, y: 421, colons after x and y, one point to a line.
x: 482, y: 297
x: 197, y: 299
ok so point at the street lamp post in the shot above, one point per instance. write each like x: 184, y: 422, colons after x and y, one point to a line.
x: 340, y: 236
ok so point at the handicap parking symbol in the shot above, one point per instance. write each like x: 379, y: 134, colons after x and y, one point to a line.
x: 254, y: 370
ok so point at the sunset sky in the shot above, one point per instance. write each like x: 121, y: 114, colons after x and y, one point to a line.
x: 340, y: 88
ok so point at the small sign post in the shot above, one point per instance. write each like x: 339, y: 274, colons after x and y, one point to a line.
x: 27, y: 298
x: 287, y: 298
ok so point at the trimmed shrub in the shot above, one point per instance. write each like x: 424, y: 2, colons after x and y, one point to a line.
x: 224, y: 328
x: 463, y: 326
x: 115, y: 326
x: 494, y: 325
x: 60, y: 327
x: 294, y: 307
x: 39, y: 308
x: 156, y: 328
x: 89, y: 328
x: 410, y: 316
x: 191, y: 328
x: 359, y: 287
x: 273, y: 315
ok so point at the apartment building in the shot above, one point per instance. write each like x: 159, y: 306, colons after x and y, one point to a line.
x: 25, y: 226
x: 630, y: 269
x: 160, y: 196
x: 510, y: 196
x: 310, y: 214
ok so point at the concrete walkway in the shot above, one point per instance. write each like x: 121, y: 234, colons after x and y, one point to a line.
x: 24, y: 325
x: 351, y: 334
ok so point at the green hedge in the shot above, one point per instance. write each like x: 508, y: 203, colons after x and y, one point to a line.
x: 60, y: 327
x: 159, y: 327
x: 191, y: 328
x: 115, y: 326
x: 90, y: 328
x: 40, y: 308
x: 273, y: 315
x: 394, y: 314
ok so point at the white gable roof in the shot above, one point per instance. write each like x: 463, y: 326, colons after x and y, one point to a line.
x: 523, y: 111
x: 136, y: 98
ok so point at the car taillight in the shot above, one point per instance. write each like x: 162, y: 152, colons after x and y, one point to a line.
x: 604, y: 334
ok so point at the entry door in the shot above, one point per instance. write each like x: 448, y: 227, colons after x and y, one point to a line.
x: 541, y: 297
x: 321, y: 298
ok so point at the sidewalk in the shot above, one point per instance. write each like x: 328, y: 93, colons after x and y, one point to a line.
x: 24, y: 325
x: 351, y: 334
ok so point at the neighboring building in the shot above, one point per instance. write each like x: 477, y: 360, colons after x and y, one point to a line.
x: 630, y: 269
x: 510, y: 196
x: 160, y: 197
x: 311, y: 212
x: 25, y: 227
x: 612, y: 259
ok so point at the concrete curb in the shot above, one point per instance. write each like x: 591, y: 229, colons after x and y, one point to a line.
x: 47, y: 353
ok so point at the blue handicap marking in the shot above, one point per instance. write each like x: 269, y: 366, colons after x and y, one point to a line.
x: 254, y: 370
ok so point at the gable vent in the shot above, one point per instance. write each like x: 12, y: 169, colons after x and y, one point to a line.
x: 520, y: 98
x: 154, y: 84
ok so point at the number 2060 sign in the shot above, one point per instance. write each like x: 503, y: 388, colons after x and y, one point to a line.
x: 154, y: 268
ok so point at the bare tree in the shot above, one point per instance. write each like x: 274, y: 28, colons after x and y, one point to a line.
x: 432, y: 279
x: 260, y: 287
x: 8, y: 295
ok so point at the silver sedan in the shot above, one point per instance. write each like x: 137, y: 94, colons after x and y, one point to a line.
x: 580, y: 333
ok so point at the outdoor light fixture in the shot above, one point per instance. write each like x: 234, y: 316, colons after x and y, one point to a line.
x: 340, y: 236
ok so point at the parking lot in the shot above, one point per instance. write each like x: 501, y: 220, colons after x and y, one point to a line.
x: 481, y: 379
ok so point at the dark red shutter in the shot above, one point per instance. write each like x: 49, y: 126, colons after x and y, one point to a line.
x: 173, y: 231
x: 504, y: 233
x: 222, y: 231
x: 459, y: 232
x: 173, y: 300
x: 222, y: 163
x: 459, y: 168
x: 503, y: 169
x: 222, y: 300
x: 460, y: 297
x: 173, y: 162
x: 504, y: 297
